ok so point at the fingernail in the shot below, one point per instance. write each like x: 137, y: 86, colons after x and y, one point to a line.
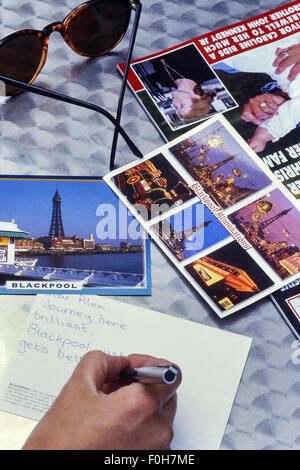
x: 167, y: 365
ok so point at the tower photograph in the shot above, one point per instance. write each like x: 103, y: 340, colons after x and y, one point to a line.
x: 69, y: 229
x: 56, y: 227
x: 271, y: 224
x: 190, y: 231
x: 220, y: 164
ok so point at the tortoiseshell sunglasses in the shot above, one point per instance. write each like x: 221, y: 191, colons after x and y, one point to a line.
x: 91, y: 29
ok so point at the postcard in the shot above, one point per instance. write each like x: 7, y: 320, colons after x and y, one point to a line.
x: 69, y: 235
x: 223, y: 219
x: 246, y: 71
x: 46, y: 353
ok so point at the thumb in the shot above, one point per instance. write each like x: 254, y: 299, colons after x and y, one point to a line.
x: 97, y: 368
x: 196, y: 97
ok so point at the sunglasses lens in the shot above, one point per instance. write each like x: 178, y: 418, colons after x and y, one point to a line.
x: 20, y: 58
x: 97, y: 27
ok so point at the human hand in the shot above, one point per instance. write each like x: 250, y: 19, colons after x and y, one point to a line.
x: 260, y: 139
x: 189, y: 105
x: 286, y: 58
x: 261, y: 107
x: 96, y: 411
x: 186, y: 84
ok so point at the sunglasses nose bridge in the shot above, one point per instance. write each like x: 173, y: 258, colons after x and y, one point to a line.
x: 54, y: 27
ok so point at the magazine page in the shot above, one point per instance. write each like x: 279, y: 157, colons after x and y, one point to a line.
x: 229, y: 226
x: 248, y: 71
x: 62, y: 234
x: 287, y: 301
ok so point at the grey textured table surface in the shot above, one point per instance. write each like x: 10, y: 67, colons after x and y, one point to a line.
x: 41, y: 136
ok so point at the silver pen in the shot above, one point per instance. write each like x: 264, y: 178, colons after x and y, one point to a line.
x: 151, y: 375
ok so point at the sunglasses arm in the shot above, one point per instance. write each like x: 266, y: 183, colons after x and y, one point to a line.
x: 137, y: 7
x: 68, y: 99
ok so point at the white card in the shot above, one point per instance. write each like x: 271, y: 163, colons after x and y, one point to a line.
x: 61, y: 329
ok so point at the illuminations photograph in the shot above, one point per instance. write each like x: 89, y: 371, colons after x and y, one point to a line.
x: 49, y: 230
x: 220, y: 164
x: 190, y: 231
x: 271, y: 224
x: 229, y: 275
x: 154, y: 185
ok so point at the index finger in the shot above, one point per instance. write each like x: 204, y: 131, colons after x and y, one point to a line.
x: 97, y: 368
x: 163, y: 391
x: 284, y: 64
x: 294, y: 72
x: 279, y: 57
